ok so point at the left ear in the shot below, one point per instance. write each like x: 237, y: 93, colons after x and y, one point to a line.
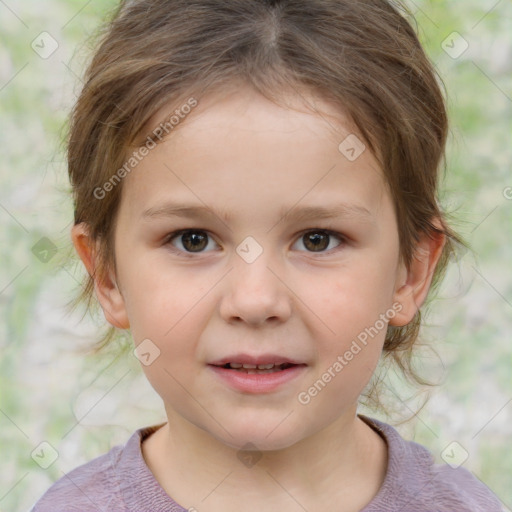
x: 413, y: 284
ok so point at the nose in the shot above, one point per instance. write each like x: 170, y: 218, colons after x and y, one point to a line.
x: 255, y: 293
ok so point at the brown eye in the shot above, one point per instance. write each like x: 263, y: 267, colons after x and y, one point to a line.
x: 319, y: 240
x: 191, y: 240
x: 194, y: 242
x: 316, y: 241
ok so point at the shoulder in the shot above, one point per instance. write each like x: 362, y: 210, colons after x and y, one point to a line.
x: 414, y: 482
x: 87, y: 487
x: 101, y: 484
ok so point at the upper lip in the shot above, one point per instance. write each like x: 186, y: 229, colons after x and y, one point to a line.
x: 256, y: 359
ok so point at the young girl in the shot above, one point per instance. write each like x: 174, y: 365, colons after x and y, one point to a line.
x: 255, y: 199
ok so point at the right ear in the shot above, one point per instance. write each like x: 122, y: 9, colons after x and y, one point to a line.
x: 105, y: 286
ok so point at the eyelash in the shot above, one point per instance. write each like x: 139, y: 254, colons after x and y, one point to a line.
x: 171, y: 236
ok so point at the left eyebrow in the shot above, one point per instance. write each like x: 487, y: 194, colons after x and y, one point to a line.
x: 321, y: 212
x: 303, y: 213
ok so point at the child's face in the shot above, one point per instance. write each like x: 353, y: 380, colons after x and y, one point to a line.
x: 251, y: 161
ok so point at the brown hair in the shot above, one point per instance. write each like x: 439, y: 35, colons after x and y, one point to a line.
x: 361, y: 55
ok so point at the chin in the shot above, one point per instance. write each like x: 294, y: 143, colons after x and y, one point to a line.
x: 259, y: 436
x: 259, y: 443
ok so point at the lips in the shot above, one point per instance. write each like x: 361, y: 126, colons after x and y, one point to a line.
x: 262, y: 364
x: 257, y: 369
x: 265, y: 373
x: 252, y: 362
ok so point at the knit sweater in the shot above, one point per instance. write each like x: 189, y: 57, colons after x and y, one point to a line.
x: 121, y: 481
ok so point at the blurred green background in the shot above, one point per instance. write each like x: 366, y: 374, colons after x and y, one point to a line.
x: 53, y: 391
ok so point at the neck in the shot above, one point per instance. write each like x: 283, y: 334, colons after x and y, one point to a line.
x: 346, y: 460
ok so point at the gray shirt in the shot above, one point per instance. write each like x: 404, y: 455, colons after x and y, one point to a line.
x: 121, y: 481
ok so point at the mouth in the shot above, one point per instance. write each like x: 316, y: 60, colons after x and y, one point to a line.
x: 264, y: 373
x: 259, y: 369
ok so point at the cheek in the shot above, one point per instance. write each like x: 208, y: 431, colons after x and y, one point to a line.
x: 174, y: 324
x: 353, y: 300
x: 347, y: 358
x: 166, y: 308
x: 350, y: 308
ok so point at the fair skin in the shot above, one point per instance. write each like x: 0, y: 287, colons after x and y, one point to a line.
x: 246, y: 157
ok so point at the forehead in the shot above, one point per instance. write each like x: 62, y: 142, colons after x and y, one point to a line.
x: 238, y: 148
x: 242, y: 107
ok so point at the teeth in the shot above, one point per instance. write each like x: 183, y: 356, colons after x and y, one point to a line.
x: 252, y: 366
x: 261, y: 372
x: 259, y: 369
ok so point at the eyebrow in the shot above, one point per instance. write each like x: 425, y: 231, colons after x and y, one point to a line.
x: 298, y: 214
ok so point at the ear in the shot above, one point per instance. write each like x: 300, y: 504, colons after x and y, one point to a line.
x: 105, y: 286
x: 414, y: 283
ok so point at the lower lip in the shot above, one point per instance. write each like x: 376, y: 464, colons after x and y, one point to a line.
x: 257, y: 383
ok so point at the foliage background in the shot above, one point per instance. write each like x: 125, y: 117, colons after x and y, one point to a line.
x: 52, y: 390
